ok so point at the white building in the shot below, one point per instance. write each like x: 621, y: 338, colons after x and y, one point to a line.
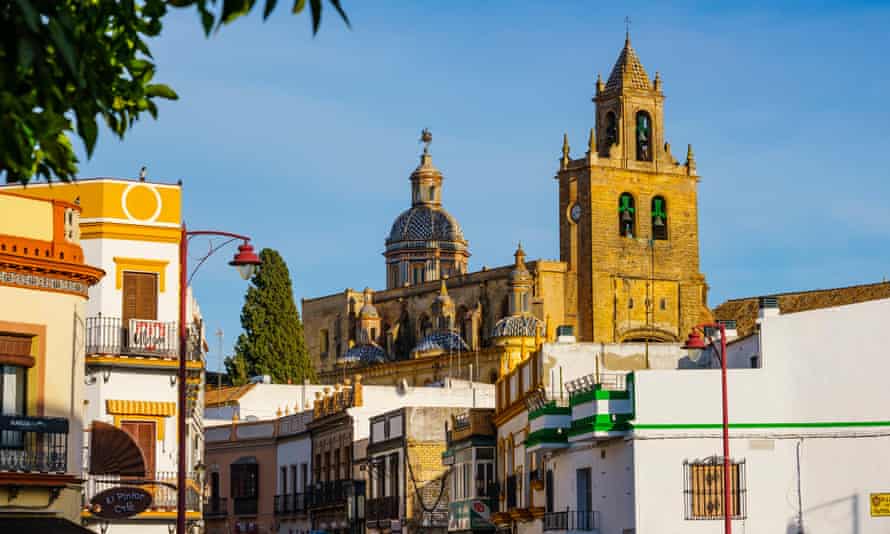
x: 131, y: 229
x: 293, y: 456
x: 642, y: 452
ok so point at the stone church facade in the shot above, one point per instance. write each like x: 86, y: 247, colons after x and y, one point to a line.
x: 628, y: 269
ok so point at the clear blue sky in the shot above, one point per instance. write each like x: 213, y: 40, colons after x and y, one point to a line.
x: 307, y: 144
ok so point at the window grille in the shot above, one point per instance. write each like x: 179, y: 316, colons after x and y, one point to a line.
x: 703, y: 489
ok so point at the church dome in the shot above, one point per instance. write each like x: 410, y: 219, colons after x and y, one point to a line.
x: 442, y: 341
x: 516, y: 326
x: 424, y: 222
x: 365, y: 354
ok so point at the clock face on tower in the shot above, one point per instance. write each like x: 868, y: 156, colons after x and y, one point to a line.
x: 575, y: 213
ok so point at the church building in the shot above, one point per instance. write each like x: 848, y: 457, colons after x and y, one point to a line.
x: 628, y: 267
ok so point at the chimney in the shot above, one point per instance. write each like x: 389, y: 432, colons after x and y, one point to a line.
x: 769, y: 307
x: 730, y: 327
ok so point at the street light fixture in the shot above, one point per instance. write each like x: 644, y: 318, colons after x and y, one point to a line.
x: 696, y: 341
x: 246, y: 261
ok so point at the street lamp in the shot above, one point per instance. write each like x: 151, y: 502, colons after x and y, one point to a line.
x: 246, y: 261
x: 695, y: 341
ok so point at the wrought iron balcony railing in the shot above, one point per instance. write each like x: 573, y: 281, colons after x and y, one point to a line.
x: 33, y: 444
x: 382, y: 508
x: 290, y: 503
x: 327, y: 493
x: 163, y: 495
x: 585, y: 520
x: 245, y: 505
x: 216, y: 507
x: 139, y: 337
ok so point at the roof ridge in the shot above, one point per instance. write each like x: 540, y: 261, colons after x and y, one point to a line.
x: 803, y: 292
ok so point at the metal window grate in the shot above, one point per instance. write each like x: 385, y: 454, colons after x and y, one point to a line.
x: 703, y: 489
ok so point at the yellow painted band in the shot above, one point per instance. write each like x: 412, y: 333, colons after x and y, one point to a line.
x: 140, y: 265
x: 132, y: 232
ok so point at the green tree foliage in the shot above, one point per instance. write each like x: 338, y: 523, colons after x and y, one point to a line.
x: 236, y: 369
x: 66, y: 64
x: 272, y: 342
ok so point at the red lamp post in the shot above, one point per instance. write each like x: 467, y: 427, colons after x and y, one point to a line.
x: 246, y: 261
x: 696, y: 341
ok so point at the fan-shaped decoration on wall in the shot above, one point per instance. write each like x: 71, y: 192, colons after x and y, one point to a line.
x: 113, y: 452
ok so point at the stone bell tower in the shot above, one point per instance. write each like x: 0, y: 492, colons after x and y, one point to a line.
x: 628, y: 218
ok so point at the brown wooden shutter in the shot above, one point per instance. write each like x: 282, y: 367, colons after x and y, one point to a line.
x: 140, y: 293
x: 143, y: 433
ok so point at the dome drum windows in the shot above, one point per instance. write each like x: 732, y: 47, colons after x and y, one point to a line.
x: 626, y: 215
x: 659, y: 219
x: 644, y: 136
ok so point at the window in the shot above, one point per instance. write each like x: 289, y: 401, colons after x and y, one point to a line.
x: 245, y: 478
x: 630, y: 303
x: 548, y: 488
x: 417, y: 274
x: 703, y: 489
x: 394, y: 474
x: 323, y: 342
x: 282, y: 478
x: 755, y: 362
x: 611, y: 131
x: 379, y: 474
x: 140, y: 297
x: 304, y: 474
x: 144, y: 434
x: 485, y: 484
x: 432, y: 194
x: 663, y: 304
x: 13, y: 390
x: 644, y: 136
x: 293, y: 479
x: 626, y: 217
x: 659, y: 219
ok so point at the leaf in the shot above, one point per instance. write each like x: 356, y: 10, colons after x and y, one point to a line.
x: 32, y: 19
x: 299, y: 5
x: 315, y: 5
x: 64, y: 46
x: 26, y: 53
x: 88, y: 131
x: 160, y: 90
x: 339, y: 8
x: 270, y: 6
x: 207, y: 21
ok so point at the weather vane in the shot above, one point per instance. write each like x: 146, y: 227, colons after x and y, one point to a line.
x: 426, y: 137
x: 627, y: 25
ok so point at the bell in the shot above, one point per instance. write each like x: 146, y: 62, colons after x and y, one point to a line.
x: 659, y: 221
x: 625, y: 216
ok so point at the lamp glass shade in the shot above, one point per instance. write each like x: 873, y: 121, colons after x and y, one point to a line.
x: 246, y: 261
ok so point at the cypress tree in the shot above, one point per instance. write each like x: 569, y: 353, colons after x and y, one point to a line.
x: 272, y: 342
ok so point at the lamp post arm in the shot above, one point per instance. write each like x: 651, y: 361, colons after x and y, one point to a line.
x: 192, y: 233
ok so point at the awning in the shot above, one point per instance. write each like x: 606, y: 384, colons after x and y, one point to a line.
x: 42, y: 525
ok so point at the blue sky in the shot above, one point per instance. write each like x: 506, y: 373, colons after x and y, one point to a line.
x: 307, y: 143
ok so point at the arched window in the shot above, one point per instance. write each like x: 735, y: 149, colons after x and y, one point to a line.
x: 432, y: 193
x: 626, y: 215
x: 644, y: 136
x: 611, y: 130
x: 659, y: 218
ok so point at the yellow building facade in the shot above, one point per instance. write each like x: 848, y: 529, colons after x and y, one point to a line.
x: 628, y: 269
x: 44, y: 284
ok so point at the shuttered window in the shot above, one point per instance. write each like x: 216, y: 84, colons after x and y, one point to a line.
x: 143, y: 433
x: 140, y: 296
x: 704, y: 489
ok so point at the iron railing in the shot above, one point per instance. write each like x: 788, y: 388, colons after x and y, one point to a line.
x: 245, y: 505
x: 163, y: 495
x: 382, y: 508
x: 327, y: 493
x: 159, y: 339
x: 33, y: 444
x: 290, y: 503
x: 216, y: 507
x: 585, y: 520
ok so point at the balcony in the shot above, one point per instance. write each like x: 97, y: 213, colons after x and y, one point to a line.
x: 290, y: 503
x: 602, y: 406
x: 382, y: 509
x: 33, y: 444
x: 474, y: 422
x: 163, y: 495
x: 585, y: 521
x: 245, y: 505
x: 216, y: 507
x: 549, y: 419
x: 110, y: 336
x: 329, y: 493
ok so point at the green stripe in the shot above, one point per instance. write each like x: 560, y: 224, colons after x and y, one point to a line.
x: 545, y: 435
x: 822, y: 424
x: 550, y: 410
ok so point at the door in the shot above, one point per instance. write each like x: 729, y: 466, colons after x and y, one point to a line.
x: 140, y: 293
x: 583, y: 518
x: 143, y: 433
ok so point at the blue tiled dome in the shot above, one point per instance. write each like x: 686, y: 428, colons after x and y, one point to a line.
x: 425, y: 223
x: 366, y: 354
x: 442, y: 340
x: 515, y: 326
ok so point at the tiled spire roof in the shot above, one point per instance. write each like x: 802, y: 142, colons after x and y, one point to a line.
x: 629, y: 63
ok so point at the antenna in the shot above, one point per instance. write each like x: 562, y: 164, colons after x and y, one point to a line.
x: 219, y: 365
x: 627, y: 27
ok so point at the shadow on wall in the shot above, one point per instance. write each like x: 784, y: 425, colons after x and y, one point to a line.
x: 830, y: 512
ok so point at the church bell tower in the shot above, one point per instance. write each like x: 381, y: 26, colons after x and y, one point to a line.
x: 628, y: 218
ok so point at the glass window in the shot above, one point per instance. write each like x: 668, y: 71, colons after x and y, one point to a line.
x: 12, y: 389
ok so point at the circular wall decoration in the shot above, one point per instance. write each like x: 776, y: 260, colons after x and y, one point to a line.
x: 141, y: 202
